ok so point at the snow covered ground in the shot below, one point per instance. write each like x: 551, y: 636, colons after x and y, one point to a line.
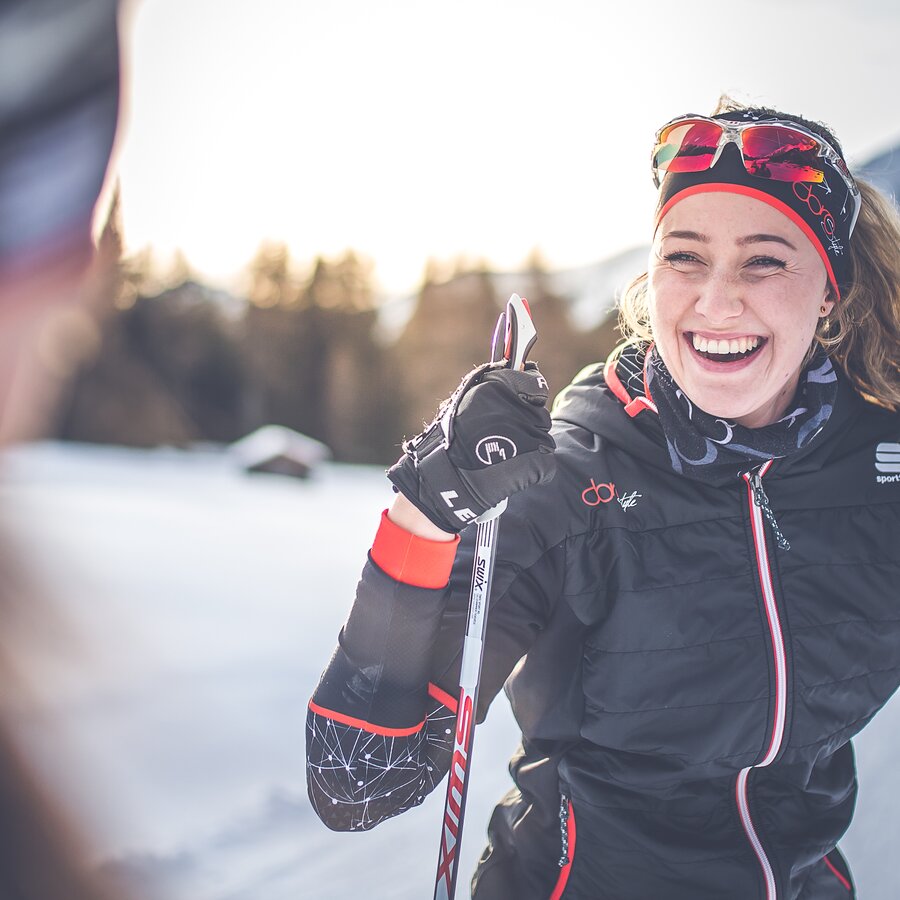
x: 208, y: 602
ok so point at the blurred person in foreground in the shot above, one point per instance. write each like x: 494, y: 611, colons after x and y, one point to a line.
x: 59, y: 102
x: 695, y: 603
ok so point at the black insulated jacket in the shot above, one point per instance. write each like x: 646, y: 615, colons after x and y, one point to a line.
x: 686, y: 689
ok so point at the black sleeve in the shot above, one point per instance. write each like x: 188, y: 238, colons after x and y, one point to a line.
x: 359, y: 776
x: 380, y: 723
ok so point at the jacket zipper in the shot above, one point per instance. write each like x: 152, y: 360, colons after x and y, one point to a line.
x: 567, y: 844
x: 564, y: 829
x: 754, y: 479
x: 759, y: 507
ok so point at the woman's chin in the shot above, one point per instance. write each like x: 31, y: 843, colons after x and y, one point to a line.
x: 751, y: 412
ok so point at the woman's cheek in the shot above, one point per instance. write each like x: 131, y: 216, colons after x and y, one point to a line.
x: 663, y: 307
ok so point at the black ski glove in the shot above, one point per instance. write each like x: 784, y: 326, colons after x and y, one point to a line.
x: 490, y: 439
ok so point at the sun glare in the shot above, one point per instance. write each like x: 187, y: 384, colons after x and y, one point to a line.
x: 409, y: 132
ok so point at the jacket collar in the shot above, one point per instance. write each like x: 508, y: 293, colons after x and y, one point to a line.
x: 612, y: 400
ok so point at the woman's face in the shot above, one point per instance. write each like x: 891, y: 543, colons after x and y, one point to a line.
x: 735, y: 294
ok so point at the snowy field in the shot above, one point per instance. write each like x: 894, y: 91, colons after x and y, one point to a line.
x: 206, y: 604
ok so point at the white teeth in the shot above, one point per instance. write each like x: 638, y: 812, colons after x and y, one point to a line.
x: 735, y: 345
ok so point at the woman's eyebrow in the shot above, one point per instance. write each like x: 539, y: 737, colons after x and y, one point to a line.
x: 687, y: 235
x: 684, y: 234
x: 764, y: 238
x: 761, y: 238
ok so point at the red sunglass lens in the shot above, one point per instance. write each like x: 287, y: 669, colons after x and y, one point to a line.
x: 781, y: 153
x: 686, y: 147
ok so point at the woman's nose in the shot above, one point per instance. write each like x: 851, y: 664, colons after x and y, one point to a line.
x: 719, y: 299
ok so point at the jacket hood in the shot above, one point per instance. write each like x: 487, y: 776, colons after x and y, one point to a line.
x: 623, y: 421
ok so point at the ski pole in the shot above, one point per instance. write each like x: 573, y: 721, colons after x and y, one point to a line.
x: 514, y: 337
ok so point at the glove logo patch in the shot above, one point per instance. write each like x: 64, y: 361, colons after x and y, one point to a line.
x: 495, y: 448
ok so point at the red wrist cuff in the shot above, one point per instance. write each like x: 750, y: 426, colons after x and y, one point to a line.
x: 413, y: 560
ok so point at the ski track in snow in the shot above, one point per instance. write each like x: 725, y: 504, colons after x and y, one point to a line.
x: 205, y: 604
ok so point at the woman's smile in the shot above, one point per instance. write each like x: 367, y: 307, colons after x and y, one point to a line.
x: 726, y: 352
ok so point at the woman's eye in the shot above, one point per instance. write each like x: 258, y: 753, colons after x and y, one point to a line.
x: 680, y: 257
x: 766, y: 262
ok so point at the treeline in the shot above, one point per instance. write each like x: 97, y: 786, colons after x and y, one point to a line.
x: 187, y: 363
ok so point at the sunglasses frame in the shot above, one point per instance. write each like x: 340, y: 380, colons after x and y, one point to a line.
x: 732, y: 133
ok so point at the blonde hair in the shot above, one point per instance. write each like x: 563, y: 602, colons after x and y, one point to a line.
x: 862, y: 332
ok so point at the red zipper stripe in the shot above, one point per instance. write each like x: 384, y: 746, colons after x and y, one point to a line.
x: 757, y: 525
x: 773, y: 618
x: 744, y: 809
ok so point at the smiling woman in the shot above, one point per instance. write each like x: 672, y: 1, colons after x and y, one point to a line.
x: 699, y: 653
x: 861, y: 332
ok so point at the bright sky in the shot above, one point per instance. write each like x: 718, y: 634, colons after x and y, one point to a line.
x: 407, y: 129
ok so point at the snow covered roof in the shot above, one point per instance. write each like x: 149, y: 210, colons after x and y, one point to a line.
x: 262, y: 450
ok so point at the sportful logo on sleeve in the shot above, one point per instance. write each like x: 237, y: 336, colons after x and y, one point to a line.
x: 887, y: 459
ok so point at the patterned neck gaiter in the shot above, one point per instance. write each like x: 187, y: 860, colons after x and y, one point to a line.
x: 705, y: 447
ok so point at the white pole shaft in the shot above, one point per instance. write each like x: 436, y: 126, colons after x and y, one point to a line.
x: 469, y: 680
